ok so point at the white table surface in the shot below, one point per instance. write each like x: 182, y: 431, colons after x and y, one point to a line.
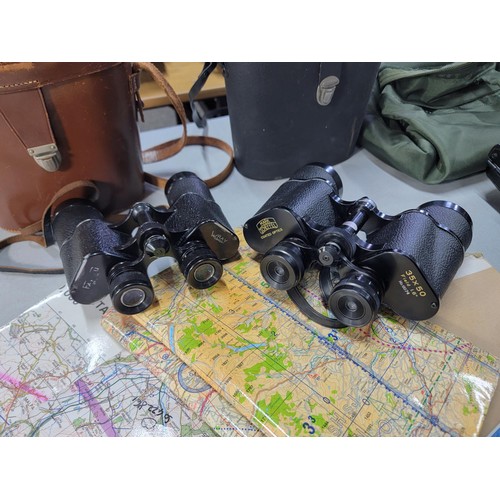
x: 240, y: 198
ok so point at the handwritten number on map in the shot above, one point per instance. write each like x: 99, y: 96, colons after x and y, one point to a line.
x: 154, y: 410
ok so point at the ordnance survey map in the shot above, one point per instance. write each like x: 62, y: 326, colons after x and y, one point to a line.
x: 62, y: 375
x: 291, y: 377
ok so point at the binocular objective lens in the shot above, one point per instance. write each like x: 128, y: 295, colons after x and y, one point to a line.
x: 283, y: 266
x: 131, y: 292
x: 200, y: 265
x: 204, y: 273
x: 355, y: 300
x: 132, y: 297
x: 277, y: 272
x: 351, y: 307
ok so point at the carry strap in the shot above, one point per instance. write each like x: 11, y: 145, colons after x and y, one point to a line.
x: 198, y: 140
x: 301, y: 302
x: 41, y: 231
x: 200, y: 119
x: 170, y: 148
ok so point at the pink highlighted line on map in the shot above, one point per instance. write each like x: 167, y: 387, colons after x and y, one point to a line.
x: 96, y: 409
x: 18, y: 384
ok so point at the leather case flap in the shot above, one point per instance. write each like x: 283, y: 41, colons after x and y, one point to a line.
x: 15, y: 77
x: 27, y: 118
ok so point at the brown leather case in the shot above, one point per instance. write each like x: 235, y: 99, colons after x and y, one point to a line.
x: 61, y: 123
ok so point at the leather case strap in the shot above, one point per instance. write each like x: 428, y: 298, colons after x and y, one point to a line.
x: 40, y: 232
x: 199, y: 118
x: 170, y: 148
x: 198, y: 140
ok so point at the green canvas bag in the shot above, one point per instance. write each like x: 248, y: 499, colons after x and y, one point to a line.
x: 434, y: 121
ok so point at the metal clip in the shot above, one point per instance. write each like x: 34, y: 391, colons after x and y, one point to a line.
x: 47, y: 156
x: 326, y: 89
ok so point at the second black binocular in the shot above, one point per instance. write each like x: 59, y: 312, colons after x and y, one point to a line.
x: 100, y: 258
x: 366, y: 258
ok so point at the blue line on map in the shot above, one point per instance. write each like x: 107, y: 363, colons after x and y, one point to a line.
x: 1, y: 416
x: 115, y: 371
x: 53, y: 415
x: 183, y: 384
x: 345, y: 354
x: 245, y: 347
x: 135, y: 332
x: 171, y: 338
x: 162, y: 393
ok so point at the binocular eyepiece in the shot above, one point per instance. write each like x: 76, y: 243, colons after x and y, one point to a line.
x: 405, y: 261
x: 100, y: 258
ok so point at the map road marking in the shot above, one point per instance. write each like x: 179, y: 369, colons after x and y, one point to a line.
x: 96, y: 409
x: 18, y: 384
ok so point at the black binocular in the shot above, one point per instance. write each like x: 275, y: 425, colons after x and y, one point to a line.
x: 100, y: 258
x: 366, y: 258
